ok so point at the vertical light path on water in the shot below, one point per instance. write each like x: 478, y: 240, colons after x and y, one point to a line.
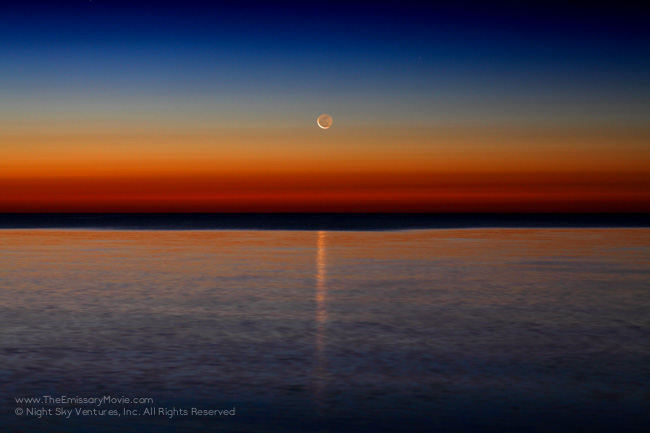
x: 321, y: 316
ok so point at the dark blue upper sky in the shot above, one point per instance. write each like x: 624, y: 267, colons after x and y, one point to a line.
x: 400, y: 63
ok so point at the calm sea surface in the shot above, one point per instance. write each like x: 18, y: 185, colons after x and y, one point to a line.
x: 537, y: 330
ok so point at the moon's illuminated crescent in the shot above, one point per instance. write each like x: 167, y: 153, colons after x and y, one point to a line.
x: 324, y: 121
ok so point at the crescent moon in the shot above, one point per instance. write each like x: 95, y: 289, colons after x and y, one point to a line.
x: 324, y: 121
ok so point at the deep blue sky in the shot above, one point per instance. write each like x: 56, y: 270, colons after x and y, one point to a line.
x: 254, y: 63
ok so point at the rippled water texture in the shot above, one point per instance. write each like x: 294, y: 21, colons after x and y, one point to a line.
x: 433, y: 330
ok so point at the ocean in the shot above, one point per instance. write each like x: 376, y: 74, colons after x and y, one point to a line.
x: 487, y: 329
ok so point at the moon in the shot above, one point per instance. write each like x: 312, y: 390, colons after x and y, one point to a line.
x: 324, y: 121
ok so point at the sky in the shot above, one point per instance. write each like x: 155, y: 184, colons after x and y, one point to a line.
x: 115, y: 106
